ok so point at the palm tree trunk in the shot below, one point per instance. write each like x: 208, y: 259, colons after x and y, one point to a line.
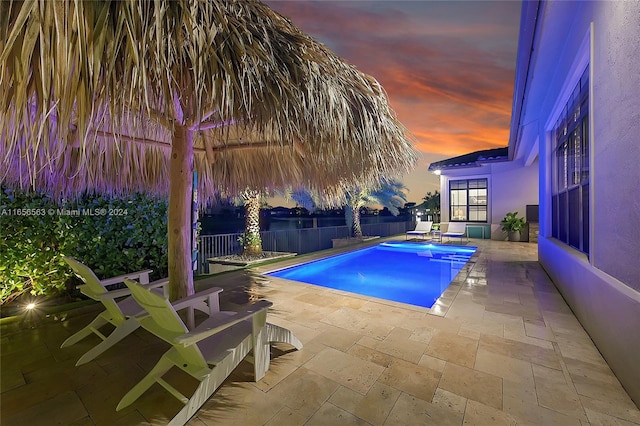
x: 356, y: 227
x: 348, y: 218
x: 252, y: 243
x: 179, y: 221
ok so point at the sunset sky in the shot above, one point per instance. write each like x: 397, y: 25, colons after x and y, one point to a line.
x: 447, y: 66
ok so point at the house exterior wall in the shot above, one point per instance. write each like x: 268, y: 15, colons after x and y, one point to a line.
x: 602, y: 288
x: 512, y: 186
x: 617, y: 141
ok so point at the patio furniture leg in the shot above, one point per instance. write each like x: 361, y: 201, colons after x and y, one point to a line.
x: 126, y: 328
x: 93, y: 327
x: 210, y: 383
x: 155, y: 375
x: 276, y: 333
x: 261, y: 347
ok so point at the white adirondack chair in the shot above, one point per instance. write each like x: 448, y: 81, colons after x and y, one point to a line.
x: 210, y: 352
x: 118, y: 313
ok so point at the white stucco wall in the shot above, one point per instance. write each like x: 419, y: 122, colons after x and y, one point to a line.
x: 616, y: 155
x: 512, y: 186
x: 603, y: 287
x: 608, y: 309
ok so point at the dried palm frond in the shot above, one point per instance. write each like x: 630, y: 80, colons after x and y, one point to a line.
x: 93, y: 92
x: 132, y: 95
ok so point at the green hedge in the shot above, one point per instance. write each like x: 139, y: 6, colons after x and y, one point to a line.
x: 111, y: 235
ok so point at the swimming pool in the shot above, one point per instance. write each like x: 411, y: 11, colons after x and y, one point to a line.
x: 413, y: 273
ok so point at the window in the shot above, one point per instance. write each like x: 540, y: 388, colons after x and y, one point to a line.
x: 468, y: 200
x: 570, y: 195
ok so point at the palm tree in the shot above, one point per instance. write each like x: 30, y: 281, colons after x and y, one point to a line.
x: 250, y: 239
x: 305, y: 198
x: 389, y: 194
x: 122, y: 96
x: 432, y: 203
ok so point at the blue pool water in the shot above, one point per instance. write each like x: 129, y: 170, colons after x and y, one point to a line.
x: 411, y: 273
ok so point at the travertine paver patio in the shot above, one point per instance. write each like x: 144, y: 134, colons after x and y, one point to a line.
x: 502, y: 348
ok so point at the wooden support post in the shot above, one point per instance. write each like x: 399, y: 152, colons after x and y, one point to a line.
x: 179, y: 221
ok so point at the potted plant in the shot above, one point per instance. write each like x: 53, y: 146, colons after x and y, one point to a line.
x: 512, y: 225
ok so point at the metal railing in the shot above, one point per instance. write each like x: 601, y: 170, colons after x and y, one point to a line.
x: 299, y: 241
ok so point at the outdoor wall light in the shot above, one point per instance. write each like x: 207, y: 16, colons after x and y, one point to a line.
x: 437, y: 172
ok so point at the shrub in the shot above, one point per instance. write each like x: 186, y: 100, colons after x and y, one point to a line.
x: 111, y: 235
x: 512, y: 223
x: 119, y: 236
x: 31, y: 257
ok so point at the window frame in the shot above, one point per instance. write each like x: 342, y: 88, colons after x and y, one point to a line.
x: 465, y: 187
x: 570, y: 168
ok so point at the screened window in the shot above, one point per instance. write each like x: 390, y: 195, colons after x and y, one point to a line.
x: 570, y: 199
x: 468, y: 200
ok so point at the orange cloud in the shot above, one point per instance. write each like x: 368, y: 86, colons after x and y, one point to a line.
x: 447, y: 67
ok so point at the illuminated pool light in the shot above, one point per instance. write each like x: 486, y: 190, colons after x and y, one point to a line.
x: 406, y: 272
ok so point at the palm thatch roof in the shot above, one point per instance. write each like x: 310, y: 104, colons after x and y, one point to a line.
x: 118, y: 96
x: 94, y: 92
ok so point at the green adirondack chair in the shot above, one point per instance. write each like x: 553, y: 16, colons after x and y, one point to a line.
x: 209, y: 352
x: 119, y: 309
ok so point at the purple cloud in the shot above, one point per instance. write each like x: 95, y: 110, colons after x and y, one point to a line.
x: 447, y: 67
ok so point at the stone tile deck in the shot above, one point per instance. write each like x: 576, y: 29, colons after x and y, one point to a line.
x: 500, y: 347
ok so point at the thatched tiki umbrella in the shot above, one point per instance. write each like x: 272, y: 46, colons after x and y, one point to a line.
x: 121, y: 96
